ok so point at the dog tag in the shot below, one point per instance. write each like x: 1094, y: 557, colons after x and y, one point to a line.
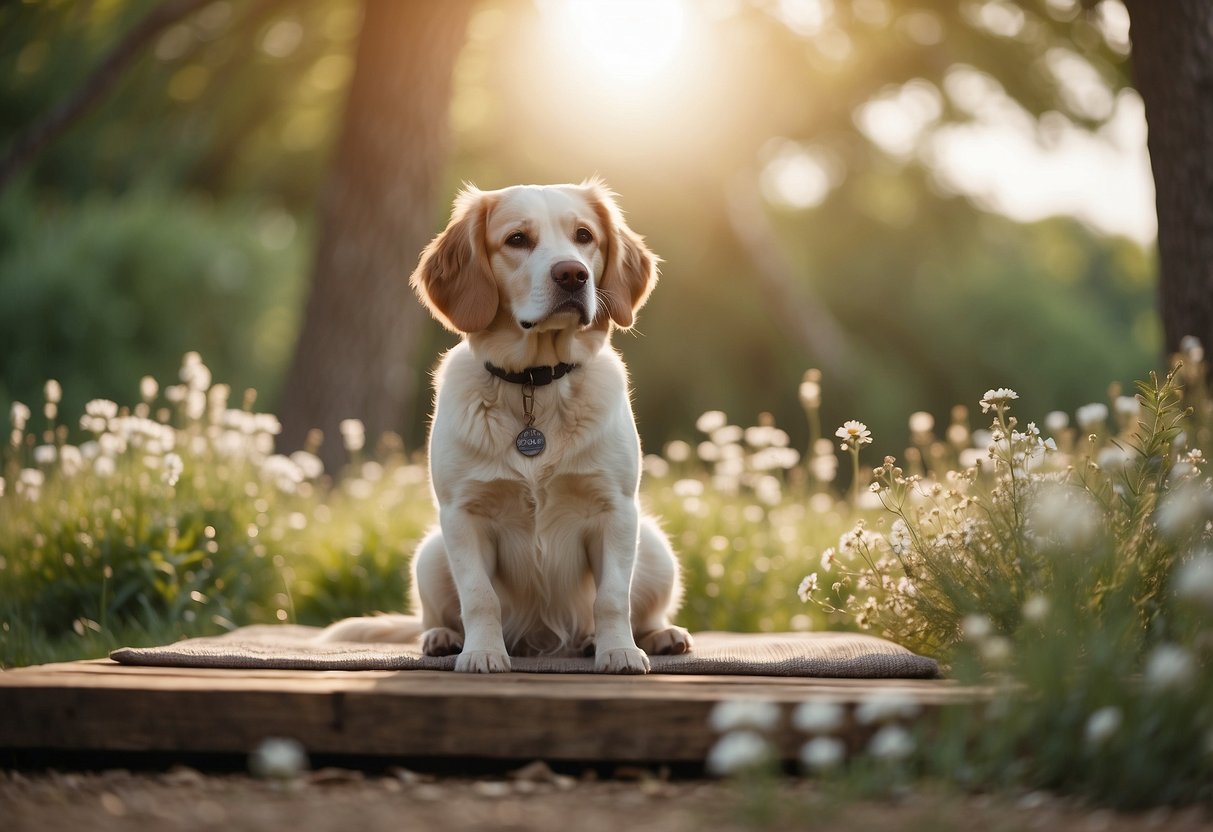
x: 530, y: 442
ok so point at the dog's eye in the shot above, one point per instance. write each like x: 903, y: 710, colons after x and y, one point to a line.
x: 584, y: 235
x: 518, y: 240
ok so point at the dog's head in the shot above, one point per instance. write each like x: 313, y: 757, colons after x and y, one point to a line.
x: 535, y: 258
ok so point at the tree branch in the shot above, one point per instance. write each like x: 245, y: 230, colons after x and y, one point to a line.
x: 99, y: 82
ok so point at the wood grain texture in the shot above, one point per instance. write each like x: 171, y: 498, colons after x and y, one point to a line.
x: 102, y: 706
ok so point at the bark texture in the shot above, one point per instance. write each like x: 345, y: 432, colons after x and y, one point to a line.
x: 1173, y: 71
x: 356, y: 353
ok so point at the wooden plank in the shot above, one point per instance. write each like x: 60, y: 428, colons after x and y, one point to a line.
x: 103, y: 706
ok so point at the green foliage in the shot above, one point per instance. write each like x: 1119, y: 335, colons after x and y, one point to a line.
x: 1073, y: 574
x: 177, y: 518
x: 101, y: 293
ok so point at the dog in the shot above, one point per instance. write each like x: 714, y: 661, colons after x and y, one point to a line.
x: 541, y: 546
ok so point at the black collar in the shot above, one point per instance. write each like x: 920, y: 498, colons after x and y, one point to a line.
x: 534, y: 376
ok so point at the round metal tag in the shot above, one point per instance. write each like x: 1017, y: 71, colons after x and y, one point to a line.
x: 530, y: 442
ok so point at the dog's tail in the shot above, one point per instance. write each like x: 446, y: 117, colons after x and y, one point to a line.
x: 382, y: 629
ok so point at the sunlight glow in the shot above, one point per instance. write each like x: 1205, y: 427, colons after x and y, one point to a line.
x: 626, y: 40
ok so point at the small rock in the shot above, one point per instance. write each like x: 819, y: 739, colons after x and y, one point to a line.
x: 491, y: 788
x: 409, y: 777
x: 536, y: 772
x: 112, y: 804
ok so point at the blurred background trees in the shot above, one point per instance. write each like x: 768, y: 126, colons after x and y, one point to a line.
x: 906, y: 177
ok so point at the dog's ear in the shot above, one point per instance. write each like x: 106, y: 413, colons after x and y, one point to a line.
x: 454, y: 278
x: 631, y: 269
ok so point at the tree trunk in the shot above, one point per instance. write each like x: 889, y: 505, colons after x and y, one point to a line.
x: 1173, y: 71
x: 355, y: 357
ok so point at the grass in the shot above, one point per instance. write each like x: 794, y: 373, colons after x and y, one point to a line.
x: 1069, y: 566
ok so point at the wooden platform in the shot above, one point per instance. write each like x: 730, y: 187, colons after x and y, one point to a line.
x: 100, y: 706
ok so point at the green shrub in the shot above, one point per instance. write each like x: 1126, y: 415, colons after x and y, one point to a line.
x: 99, y: 293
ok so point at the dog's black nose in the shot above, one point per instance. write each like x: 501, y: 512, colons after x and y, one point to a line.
x: 570, y: 275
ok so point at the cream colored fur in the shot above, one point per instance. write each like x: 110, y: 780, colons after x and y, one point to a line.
x: 548, y: 554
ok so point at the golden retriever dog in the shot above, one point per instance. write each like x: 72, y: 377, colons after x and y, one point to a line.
x: 541, y: 547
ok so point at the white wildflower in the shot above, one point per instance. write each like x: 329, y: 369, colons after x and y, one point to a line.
x: 736, y: 752
x: 278, y: 759
x: 732, y: 714
x: 30, y: 482
x: 71, y: 460
x: 768, y: 491
x: 1192, y: 349
x: 53, y: 392
x: 824, y: 467
x: 309, y: 464
x: 45, y: 454
x: 677, y: 451
x: 892, y: 742
x: 284, y: 473
x: 1184, y: 509
x: 1169, y: 667
x: 1036, y: 608
x: 1102, y: 725
x: 853, y: 434
x: 823, y: 753
x: 976, y: 627
x: 729, y: 435
x: 1127, y: 407
x: 885, y: 706
x: 1091, y: 416
x: 818, y: 716
x: 688, y: 488
x: 999, y: 397
x: 101, y: 409
x: 194, y: 373
x: 1194, y: 581
x: 148, y: 388
x: 173, y: 466
x: 1065, y: 515
x: 268, y: 423
x: 900, y: 540
x: 1056, y: 421
x: 711, y: 421
x: 810, y: 394
x: 827, y: 559
x: 921, y: 422
x: 1114, y: 458
x: 353, y: 434
x: 807, y: 586
x: 195, y: 405
x: 19, y: 415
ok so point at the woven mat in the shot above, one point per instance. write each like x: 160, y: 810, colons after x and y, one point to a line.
x: 288, y: 647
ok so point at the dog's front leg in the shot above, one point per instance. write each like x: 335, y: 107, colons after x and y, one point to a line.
x: 473, y: 561
x: 612, y: 562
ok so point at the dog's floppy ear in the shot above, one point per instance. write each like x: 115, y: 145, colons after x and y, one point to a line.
x: 453, y: 278
x: 631, y: 269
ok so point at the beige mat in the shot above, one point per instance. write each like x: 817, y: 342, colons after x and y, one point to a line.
x: 828, y: 655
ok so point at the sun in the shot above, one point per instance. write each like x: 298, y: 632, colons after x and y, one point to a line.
x: 629, y: 41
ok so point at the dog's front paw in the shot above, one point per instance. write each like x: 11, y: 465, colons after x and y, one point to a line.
x: 482, y: 661
x: 668, y: 642
x: 621, y: 660
x: 441, y: 641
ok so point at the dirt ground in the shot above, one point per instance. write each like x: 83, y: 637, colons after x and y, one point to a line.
x: 355, y: 801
